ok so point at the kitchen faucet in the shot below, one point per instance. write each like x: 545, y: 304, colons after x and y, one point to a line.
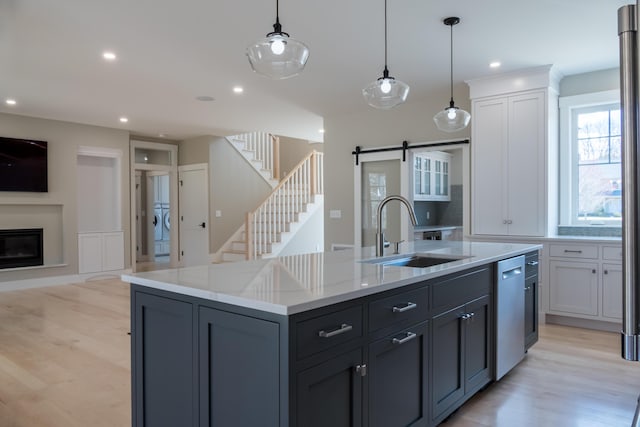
x: 379, y: 233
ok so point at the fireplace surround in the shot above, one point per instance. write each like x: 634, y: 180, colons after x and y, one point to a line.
x: 21, y: 248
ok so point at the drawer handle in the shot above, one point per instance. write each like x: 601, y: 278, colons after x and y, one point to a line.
x: 571, y: 251
x: 341, y: 330
x: 408, y: 337
x: 532, y: 263
x: 407, y: 307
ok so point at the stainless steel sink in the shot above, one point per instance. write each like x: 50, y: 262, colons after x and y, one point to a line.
x: 415, y: 260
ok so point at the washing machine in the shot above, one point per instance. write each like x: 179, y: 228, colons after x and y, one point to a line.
x: 166, y: 222
x: 157, y: 222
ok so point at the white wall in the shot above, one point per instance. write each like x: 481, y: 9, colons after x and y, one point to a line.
x: 309, y: 239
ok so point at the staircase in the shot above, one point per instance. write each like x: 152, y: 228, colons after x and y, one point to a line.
x: 262, y: 151
x: 269, y: 228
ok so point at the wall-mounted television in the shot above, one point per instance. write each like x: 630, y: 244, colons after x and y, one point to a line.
x: 23, y: 165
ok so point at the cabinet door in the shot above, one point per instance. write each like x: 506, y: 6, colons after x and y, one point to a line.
x: 489, y: 158
x: 239, y: 370
x: 330, y: 394
x: 530, y: 311
x: 612, y: 291
x: 573, y: 287
x: 525, y: 178
x: 398, y: 379
x: 421, y: 177
x: 447, y: 384
x: 90, y: 252
x: 164, y: 368
x: 113, y: 251
x: 478, y: 352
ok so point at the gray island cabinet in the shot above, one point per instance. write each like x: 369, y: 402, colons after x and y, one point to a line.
x: 405, y: 355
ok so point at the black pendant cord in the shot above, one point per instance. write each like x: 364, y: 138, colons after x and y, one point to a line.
x: 385, y: 39
x: 451, y: 67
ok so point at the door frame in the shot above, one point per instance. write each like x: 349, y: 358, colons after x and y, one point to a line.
x: 357, y: 191
x: 172, y: 170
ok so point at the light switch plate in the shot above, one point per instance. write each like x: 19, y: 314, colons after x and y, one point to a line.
x: 218, y: 214
x: 335, y: 213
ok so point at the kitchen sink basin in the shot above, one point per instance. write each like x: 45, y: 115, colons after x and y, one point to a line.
x: 415, y: 260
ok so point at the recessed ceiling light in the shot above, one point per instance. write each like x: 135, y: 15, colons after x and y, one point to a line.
x: 123, y: 120
x: 109, y: 56
x: 321, y: 130
x: 205, y: 98
x: 238, y: 89
x: 495, y: 64
x: 10, y: 101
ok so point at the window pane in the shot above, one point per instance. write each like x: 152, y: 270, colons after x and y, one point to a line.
x: 615, y: 122
x: 591, y: 125
x: 616, y: 149
x: 599, y: 193
x: 594, y: 150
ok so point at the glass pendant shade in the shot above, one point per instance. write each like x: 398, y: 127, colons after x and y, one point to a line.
x: 278, y: 56
x: 452, y: 119
x: 385, y: 93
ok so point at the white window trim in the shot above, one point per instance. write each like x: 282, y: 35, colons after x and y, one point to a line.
x: 569, y: 176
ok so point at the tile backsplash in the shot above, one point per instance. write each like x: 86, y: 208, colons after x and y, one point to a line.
x: 441, y: 213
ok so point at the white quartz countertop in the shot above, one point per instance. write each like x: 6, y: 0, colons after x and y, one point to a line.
x: 298, y: 283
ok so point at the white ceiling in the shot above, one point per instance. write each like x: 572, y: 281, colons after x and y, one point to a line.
x: 170, y: 52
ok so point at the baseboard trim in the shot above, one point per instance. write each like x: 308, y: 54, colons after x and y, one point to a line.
x: 43, y: 282
x: 599, y: 325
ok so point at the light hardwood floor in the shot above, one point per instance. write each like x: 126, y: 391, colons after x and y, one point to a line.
x: 64, y: 362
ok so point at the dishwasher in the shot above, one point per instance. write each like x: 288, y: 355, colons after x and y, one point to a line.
x: 509, y: 315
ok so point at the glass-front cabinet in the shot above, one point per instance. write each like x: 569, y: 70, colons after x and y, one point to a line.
x: 431, y: 176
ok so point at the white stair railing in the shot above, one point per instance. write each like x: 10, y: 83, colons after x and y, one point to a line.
x: 266, y: 148
x: 264, y: 226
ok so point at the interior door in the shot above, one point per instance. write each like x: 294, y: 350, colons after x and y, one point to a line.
x: 194, y: 214
x: 376, y: 176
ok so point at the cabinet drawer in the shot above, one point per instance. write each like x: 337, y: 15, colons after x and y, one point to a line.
x: 326, y: 331
x: 411, y: 306
x: 612, y: 253
x: 531, y: 264
x: 573, y: 251
x: 460, y: 288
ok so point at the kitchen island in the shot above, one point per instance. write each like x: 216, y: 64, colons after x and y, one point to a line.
x: 325, y: 339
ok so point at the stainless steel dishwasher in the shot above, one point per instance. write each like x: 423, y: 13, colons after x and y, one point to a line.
x: 509, y: 315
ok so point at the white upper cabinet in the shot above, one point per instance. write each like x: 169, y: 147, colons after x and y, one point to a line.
x: 431, y: 176
x: 512, y: 138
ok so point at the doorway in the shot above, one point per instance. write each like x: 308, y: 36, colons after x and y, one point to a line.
x: 154, y: 201
x: 377, y: 176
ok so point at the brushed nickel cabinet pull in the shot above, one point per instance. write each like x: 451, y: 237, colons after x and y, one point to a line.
x: 407, y: 307
x: 408, y: 337
x: 341, y: 330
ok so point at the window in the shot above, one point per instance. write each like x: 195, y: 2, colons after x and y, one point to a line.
x: 590, y: 178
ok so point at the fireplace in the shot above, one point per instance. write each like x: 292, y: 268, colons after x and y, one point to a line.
x: 21, y: 248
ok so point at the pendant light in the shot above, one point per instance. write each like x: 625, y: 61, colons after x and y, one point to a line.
x: 385, y: 92
x: 278, y: 56
x: 452, y: 118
